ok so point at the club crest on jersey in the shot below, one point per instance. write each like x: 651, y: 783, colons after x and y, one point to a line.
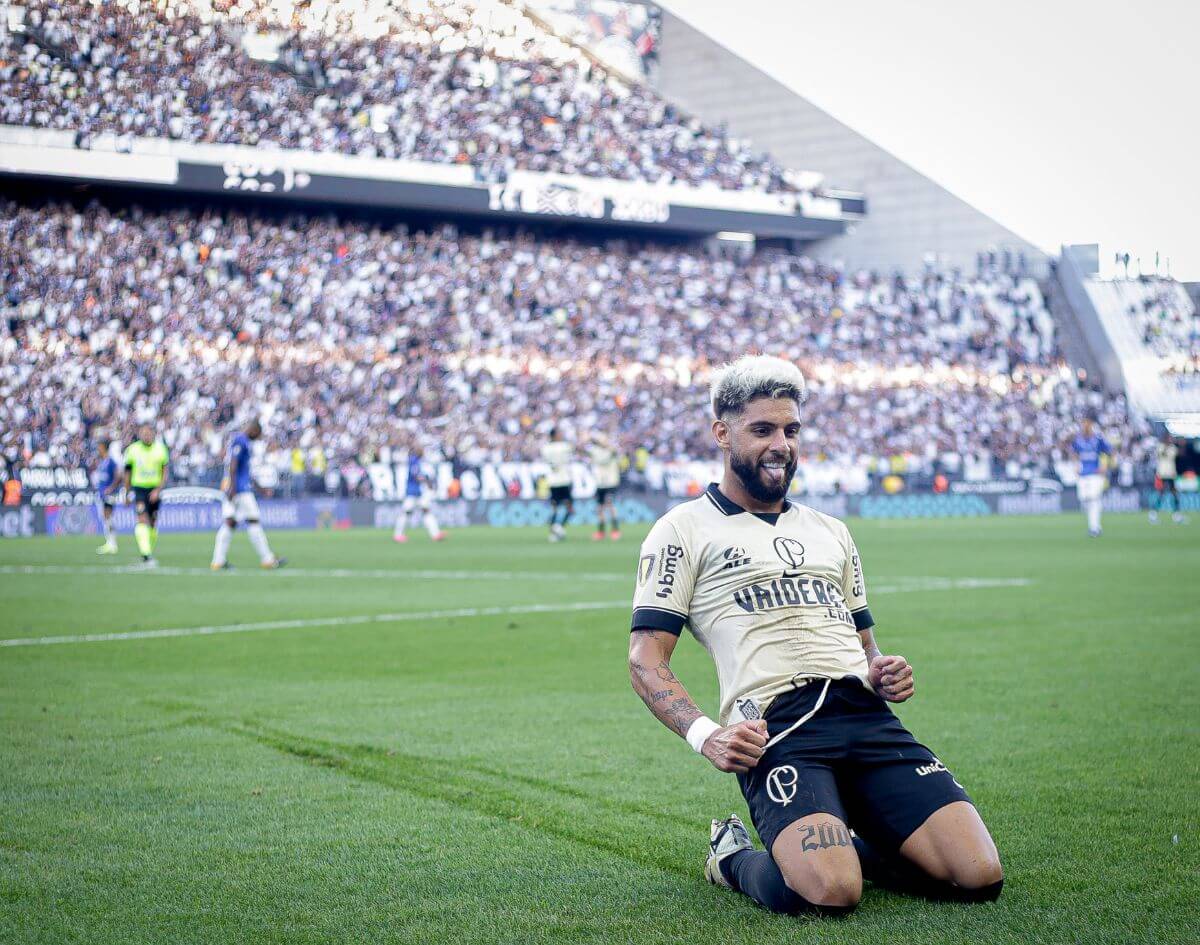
x: 790, y: 552
x: 735, y: 557
x: 781, y: 784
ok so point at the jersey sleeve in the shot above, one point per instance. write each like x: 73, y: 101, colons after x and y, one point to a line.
x: 854, y: 587
x: 665, y: 580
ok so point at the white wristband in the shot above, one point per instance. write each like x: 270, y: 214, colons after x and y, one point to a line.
x: 699, y: 730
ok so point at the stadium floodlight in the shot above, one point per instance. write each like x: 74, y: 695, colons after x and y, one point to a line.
x: 732, y: 236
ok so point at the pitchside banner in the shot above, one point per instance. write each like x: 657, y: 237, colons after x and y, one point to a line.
x: 632, y: 508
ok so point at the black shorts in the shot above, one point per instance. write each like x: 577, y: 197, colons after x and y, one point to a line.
x: 560, y: 493
x: 852, y: 759
x: 605, y: 494
x: 143, y: 503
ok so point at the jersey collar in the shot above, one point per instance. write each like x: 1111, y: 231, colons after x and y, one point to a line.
x: 728, y: 507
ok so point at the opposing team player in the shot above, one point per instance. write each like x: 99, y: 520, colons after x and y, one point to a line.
x: 606, y: 470
x: 239, y: 503
x: 417, y: 495
x: 1093, y: 451
x: 1166, y: 469
x: 557, y: 454
x: 774, y: 591
x: 108, y: 481
x: 146, y: 461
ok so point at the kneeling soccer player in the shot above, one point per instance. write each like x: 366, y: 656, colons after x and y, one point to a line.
x: 774, y: 591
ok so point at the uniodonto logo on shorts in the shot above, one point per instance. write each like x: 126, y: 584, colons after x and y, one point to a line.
x: 781, y: 784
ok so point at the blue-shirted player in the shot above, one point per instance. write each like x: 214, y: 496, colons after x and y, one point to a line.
x: 108, y: 484
x: 239, y: 503
x: 1092, y: 450
x: 417, y: 491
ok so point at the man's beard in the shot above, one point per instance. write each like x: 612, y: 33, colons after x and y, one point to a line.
x: 749, y: 474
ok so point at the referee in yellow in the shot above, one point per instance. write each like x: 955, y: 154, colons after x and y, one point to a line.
x: 146, y: 471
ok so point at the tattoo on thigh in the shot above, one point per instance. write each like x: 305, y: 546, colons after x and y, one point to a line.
x: 823, y: 836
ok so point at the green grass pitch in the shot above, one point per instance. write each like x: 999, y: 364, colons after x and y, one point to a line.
x: 483, y: 772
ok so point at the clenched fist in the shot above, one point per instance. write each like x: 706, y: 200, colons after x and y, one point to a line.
x: 891, y: 677
x: 736, y: 747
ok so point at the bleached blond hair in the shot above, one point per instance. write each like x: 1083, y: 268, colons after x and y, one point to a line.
x: 734, y: 385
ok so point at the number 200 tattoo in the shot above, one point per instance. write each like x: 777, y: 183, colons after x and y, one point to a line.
x: 823, y: 836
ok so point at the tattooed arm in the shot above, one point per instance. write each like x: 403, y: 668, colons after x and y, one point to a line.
x: 650, y: 671
x: 732, y: 748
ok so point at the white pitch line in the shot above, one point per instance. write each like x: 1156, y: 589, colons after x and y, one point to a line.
x: 317, y: 622
x: 426, y: 574
x: 917, y: 585
x: 898, y: 584
x: 929, y: 584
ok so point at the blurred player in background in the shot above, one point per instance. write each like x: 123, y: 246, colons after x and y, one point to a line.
x: 606, y: 469
x: 1093, y: 451
x: 557, y: 454
x: 108, y: 481
x: 146, y: 462
x: 1166, y: 470
x: 239, y: 503
x: 417, y: 495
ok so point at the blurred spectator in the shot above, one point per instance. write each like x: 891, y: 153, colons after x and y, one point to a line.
x: 349, y: 337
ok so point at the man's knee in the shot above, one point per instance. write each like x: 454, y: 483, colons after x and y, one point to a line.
x: 981, y: 879
x: 833, y: 891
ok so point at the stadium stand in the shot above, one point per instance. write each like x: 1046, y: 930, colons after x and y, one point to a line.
x: 442, y: 81
x: 354, y: 336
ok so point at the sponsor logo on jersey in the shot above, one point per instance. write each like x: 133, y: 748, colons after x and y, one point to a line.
x: 668, y: 566
x: 793, y: 591
x: 748, y: 708
x: 735, y: 557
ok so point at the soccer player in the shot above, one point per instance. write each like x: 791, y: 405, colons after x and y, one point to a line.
x: 1165, y: 471
x: 774, y: 591
x: 146, y: 462
x: 557, y: 454
x: 108, y: 481
x: 606, y: 469
x: 1091, y: 448
x: 417, y: 495
x: 240, y: 505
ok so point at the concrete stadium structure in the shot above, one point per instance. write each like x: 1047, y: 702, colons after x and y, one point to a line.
x: 908, y: 215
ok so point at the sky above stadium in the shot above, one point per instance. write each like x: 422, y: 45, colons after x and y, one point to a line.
x: 1068, y: 122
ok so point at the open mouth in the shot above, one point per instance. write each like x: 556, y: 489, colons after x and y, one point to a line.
x: 774, y: 471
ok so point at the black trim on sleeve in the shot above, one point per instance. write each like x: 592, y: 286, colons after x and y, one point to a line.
x: 863, y: 619
x: 652, y: 618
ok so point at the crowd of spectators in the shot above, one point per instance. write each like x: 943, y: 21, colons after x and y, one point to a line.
x: 445, y: 81
x: 1168, y: 323
x: 349, y: 337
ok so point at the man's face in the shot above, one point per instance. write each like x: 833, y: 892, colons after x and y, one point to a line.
x: 146, y: 434
x: 763, y: 444
x: 1088, y: 426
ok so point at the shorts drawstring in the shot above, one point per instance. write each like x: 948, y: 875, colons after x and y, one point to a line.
x: 804, y: 718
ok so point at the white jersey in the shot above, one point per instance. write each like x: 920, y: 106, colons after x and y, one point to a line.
x: 776, y: 600
x: 557, y: 455
x: 606, y: 466
x: 1165, y: 466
